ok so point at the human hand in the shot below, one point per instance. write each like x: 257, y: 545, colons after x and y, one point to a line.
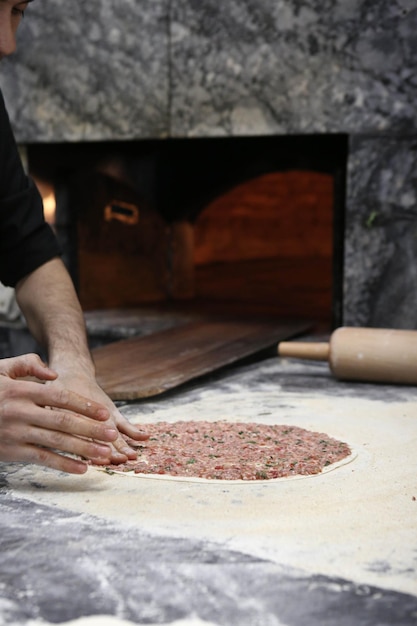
x: 55, y: 319
x: 84, y: 382
x: 39, y: 423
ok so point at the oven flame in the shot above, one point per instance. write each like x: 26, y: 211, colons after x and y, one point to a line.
x: 49, y: 208
x: 47, y: 192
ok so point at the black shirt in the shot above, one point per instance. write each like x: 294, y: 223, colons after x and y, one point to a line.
x: 26, y: 240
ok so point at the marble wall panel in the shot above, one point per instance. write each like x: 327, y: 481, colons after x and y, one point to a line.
x: 293, y: 66
x: 89, y: 71
x: 381, y: 233
x: 126, y: 70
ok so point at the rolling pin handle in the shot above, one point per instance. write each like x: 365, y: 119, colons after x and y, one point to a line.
x: 314, y: 351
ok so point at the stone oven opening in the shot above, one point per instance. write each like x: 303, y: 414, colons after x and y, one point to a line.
x: 243, y: 225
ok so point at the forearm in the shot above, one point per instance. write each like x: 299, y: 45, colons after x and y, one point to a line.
x: 54, y: 317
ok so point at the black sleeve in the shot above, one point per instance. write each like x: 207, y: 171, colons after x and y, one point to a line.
x: 26, y: 240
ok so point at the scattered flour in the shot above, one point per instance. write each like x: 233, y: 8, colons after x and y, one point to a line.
x: 108, y: 620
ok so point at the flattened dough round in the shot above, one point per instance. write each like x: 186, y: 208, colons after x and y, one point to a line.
x: 233, y: 452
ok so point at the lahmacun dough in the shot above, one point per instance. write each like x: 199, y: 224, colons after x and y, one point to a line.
x: 232, y: 451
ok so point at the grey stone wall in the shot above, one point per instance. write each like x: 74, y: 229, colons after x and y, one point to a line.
x: 381, y: 232
x: 120, y: 69
x: 89, y: 71
x: 291, y: 66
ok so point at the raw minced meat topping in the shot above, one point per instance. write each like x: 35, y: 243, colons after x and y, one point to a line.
x: 232, y: 451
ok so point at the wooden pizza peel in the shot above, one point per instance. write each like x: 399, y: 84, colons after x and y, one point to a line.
x: 141, y: 367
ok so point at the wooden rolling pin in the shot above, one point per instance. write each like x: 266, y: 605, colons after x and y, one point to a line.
x: 369, y: 354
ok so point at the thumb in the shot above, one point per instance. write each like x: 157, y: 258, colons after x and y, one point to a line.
x: 27, y: 365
